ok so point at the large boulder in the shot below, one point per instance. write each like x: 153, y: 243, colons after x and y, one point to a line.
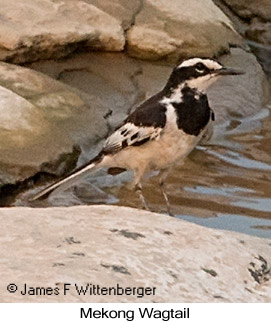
x: 32, y: 30
x: 106, y: 246
x: 42, y: 122
x: 181, y: 29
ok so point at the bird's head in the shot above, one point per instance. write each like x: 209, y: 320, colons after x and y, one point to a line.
x: 199, y: 73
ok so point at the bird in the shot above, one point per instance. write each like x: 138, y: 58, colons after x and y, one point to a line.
x: 160, y: 132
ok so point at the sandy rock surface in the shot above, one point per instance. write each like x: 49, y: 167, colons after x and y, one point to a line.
x: 106, y: 246
x: 41, y: 124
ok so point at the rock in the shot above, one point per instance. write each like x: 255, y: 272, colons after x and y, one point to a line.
x: 240, y: 95
x: 260, y: 32
x: 263, y: 54
x: 250, y: 8
x: 42, y: 122
x: 53, y: 29
x: 33, y: 30
x: 106, y: 246
x: 249, y: 19
x: 183, y: 29
x: 121, y: 83
x: 114, y: 78
x: 124, y: 11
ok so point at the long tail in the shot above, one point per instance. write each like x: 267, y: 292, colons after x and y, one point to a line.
x: 68, y: 180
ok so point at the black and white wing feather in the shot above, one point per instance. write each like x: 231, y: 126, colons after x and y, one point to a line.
x: 130, y: 135
x: 146, y: 123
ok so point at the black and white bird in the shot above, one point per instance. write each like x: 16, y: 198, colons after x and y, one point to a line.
x: 160, y: 132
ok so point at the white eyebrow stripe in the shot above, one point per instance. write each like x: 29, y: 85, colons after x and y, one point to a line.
x: 208, y: 62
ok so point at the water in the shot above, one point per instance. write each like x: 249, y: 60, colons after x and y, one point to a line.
x: 234, y: 222
x: 224, y: 185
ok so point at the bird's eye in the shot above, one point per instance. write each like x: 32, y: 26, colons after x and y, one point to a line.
x: 200, y: 67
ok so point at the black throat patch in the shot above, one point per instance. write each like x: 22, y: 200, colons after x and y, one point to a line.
x: 193, y: 113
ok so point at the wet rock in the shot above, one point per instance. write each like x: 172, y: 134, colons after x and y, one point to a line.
x: 192, y: 264
x: 182, y: 29
x: 32, y: 30
x: 249, y: 9
x: 42, y: 123
x: 263, y: 54
x: 252, y: 19
x: 260, y: 32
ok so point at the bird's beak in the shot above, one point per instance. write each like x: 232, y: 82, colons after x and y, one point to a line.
x: 229, y: 71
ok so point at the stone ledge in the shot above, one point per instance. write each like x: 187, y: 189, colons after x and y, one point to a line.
x: 109, y: 245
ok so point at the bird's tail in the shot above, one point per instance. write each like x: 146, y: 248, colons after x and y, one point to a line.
x: 68, y: 180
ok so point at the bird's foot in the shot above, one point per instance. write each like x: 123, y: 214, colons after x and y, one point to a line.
x: 169, y: 212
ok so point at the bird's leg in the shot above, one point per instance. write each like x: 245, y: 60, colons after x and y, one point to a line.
x: 162, y: 187
x: 138, y: 190
x: 136, y: 184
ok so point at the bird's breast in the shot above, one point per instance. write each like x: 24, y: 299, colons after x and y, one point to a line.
x: 173, y: 145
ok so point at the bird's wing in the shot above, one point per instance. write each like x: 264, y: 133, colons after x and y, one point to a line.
x: 130, y: 135
x: 144, y: 124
